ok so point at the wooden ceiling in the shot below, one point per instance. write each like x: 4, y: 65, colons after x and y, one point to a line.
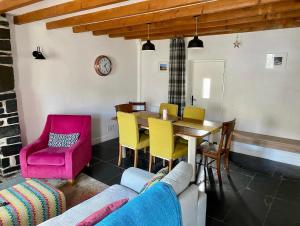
x: 167, y: 18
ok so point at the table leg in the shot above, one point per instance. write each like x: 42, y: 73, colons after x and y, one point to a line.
x: 211, y: 138
x: 192, y: 146
x: 123, y: 152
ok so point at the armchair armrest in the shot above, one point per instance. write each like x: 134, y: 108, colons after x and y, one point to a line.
x: 75, y: 147
x: 135, y: 178
x: 77, y: 156
x: 27, y: 150
x: 33, y: 147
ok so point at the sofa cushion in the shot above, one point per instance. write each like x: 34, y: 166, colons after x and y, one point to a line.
x: 102, y: 213
x: 180, y: 177
x: 86, y: 208
x: 62, y: 140
x: 48, y: 157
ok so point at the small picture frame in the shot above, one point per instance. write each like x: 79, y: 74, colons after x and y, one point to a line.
x: 163, y: 66
x: 276, y: 60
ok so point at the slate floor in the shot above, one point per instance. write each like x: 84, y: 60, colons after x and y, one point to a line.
x: 257, y: 192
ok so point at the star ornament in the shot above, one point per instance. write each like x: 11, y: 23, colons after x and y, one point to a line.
x: 236, y: 44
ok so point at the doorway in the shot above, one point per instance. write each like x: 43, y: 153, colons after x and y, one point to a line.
x: 206, y: 87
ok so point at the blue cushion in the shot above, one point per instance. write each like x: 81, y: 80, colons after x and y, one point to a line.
x: 156, y: 206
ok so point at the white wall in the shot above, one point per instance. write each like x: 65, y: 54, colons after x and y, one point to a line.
x: 154, y: 84
x: 66, y: 83
x: 263, y: 101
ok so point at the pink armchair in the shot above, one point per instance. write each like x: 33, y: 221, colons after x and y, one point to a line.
x: 40, y: 161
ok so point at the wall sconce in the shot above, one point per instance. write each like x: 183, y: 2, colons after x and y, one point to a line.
x: 38, y: 55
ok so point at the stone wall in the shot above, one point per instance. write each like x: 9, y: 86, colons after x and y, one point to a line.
x: 10, y: 139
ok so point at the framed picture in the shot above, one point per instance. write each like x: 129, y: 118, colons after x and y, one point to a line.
x: 163, y: 66
x: 276, y: 60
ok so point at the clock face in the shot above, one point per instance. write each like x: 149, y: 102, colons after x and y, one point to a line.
x: 103, y: 65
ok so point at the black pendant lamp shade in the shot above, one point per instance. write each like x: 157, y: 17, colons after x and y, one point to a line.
x: 196, y: 43
x: 148, y: 45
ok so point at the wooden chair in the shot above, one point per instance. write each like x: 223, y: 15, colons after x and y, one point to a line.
x: 223, y: 148
x: 127, y: 108
x: 138, y: 106
x: 129, y: 135
x: 162, y: 142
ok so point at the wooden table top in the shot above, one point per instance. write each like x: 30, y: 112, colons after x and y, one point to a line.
x: 182, y: 127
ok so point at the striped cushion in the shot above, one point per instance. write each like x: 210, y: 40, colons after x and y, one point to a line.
x: 156, y: 178
x: 30, y: 203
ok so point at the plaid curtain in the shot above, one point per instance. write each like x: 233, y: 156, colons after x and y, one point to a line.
x: 177, y: 73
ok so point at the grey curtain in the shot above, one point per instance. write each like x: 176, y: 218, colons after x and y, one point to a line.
x: 177, y: 73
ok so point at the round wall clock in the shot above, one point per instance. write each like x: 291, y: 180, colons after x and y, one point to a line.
x: 103, y: 65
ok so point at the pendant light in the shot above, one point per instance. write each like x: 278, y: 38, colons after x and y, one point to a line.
x: 148, y: 46
x: 196, y: 43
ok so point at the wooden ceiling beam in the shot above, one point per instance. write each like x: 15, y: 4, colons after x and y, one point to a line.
x: 191, y: 25
x: 122, y: 11
x: 228, y: 30
x: 273, y: 9
x: 143, y: 27
x: 193, y: 10
x: 8, y: 5
x: 62, y: 9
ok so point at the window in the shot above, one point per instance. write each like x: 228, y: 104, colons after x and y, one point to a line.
x: 206, y: 88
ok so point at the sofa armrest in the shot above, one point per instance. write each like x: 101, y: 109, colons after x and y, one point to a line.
x: 202, y: 206
x: 135, y: 178
x: 193, y: 206
x: 188, y: 200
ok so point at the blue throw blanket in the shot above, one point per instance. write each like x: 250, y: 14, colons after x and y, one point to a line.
x: 157, y: 206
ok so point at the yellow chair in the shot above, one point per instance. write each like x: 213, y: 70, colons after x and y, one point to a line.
x: 195, y: 113
x: 162, y: 142
x: 171, y: 108
x: 129, y: 135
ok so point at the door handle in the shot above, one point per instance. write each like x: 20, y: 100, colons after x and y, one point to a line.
x: 193, y: 99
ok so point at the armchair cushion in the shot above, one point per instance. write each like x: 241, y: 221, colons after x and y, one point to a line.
x: 48, y: 156
x: 62, y: 140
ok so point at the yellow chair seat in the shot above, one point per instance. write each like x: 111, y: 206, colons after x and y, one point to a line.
x: 180, y: 150
x: 143, y: 142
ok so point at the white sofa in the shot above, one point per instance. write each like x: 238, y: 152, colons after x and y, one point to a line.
x: 192, y: 201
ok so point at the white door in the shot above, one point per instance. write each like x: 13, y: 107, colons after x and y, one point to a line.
x: 207, y: 87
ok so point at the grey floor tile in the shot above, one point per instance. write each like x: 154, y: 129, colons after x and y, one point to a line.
x: 283, y: 213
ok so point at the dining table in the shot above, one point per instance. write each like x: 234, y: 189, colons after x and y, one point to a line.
x: 188, y: 129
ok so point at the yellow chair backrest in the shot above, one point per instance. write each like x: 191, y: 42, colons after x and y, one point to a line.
x: 128, y: 129
x: 161, y: 138
x: 172, y: 108
x: 196, y: 113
